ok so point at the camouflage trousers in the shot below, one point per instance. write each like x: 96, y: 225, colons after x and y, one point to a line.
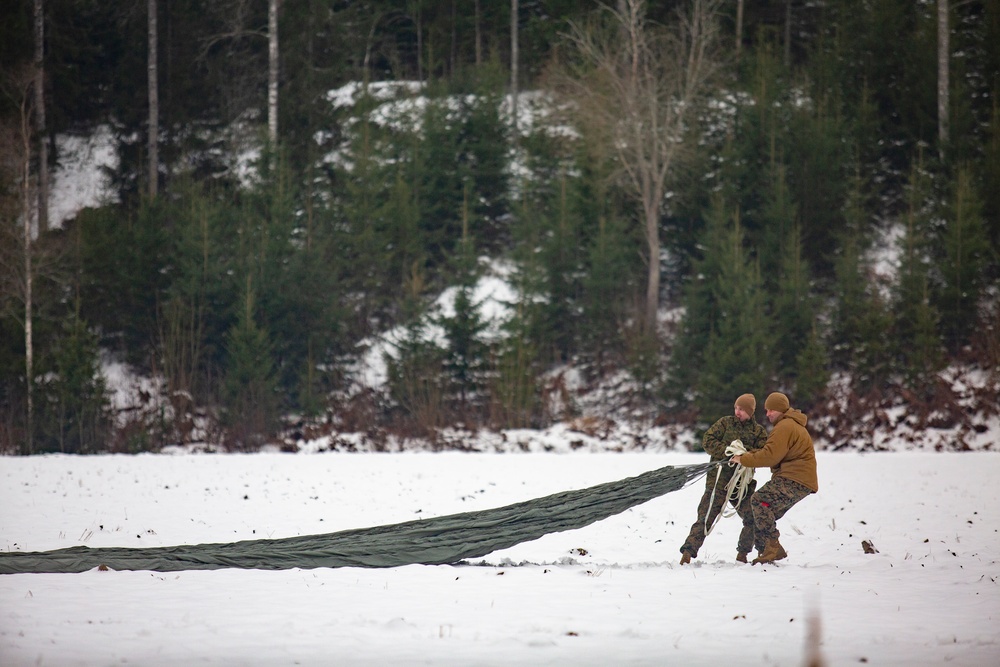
x: 707, y: 513
x: 769, y: 504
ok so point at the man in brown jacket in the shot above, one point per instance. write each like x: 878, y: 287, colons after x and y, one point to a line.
x: 790, y: 454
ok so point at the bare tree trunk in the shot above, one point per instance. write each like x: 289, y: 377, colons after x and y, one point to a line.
x: 311, y: 161
x: 653, y: 270
x: 43, y: 149
x: 943, y: 85
x: 453, y: 57
x: 739, y: 27
x: 420, y: 44
x: 479, y: 37
x: 272, y: 72
x: 27, y: 216
x: 29, y: 348
x: 788, y: 33
x: 514, y: 93
x: 152, y: 76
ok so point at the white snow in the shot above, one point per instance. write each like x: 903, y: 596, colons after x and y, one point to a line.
x: 349, y: 94
x: 80, y: 180
x: 491, y: 297
x: 884, y: 257
x: 129, y: 392
x: 610, y: 593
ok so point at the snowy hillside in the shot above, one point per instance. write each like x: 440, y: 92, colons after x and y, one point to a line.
x: 604, y: 414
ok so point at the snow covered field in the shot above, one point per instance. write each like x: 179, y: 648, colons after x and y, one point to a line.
x: 608, y: 594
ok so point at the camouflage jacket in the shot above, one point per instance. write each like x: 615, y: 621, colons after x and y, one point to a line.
x: 720, y: 434
x: 727, y: 429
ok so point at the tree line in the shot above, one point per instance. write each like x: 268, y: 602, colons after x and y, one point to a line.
x: 695, y: 192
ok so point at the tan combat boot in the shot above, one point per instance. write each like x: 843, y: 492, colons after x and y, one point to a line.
x: 741, y: 557
x: 772, y: 552
x: 685, y: 559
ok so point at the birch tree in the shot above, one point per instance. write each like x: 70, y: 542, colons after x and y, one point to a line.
x: 739, y: 26
x: 29, y: 350
x: 788, y: 34
x: 513, y: 69
x: 43, y: 149
x: 272, y: 71
x: 152, y: 76
x: 479, y: 35
x: 942, y: 63
x: 637, y: 88
x: 16, y: 265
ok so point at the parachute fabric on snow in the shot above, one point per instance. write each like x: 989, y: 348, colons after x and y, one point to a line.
x: 436, y: 541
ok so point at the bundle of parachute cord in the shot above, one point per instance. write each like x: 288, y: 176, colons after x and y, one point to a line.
x: 736, y: 489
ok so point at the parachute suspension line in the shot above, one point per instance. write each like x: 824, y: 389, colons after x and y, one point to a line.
x: 736, y: 489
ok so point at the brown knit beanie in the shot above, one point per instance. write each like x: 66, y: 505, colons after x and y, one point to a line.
x: 777, y: 401
x: 747, y: 402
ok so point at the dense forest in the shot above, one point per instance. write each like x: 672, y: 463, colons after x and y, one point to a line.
x: 701, y: 195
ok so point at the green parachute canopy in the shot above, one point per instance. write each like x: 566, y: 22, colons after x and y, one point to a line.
x: 436, y: 541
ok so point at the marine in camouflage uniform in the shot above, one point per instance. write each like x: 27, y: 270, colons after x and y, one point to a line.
x: 743, y: 426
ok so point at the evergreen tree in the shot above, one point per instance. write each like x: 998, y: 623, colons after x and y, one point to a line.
x: 917, y: 345
x: 485, y: 154
x: 812, y: 370
x: 897, y: 76
x: 415, y: 368
x: 463, y: 149
x: 725, y: 337
x: 780, y: 238
x: 74, y: 407
x: 268, y: 257
x: 442, y: 182
x: 124, y: 258
x: 574, y: 250
x: 609, y: 284
x: 542, y: 284
x: 737, y: 349
x: 249, y: 392
x: 990, y: 179
x: 515, y: 401
x: 753, y: 174
x: 364, y: 201
x: 316, y: 55
x: 974, y: 81
x: 195, y: 311
x: 965, y: 252
x: 700, y: 302
x: 794, y: 315
x: 404, y: 242
x: 549, y: 247
x: 861, y: 315
x: 297, y: 294
x: 817, y: 157
x: 465, y: 354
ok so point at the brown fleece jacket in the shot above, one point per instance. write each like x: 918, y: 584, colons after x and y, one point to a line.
x: 788, y: 451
